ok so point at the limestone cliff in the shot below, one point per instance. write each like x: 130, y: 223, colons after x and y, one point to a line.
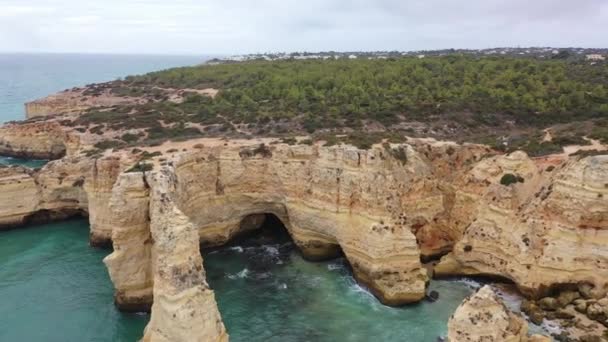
x: 547, y: 232
x: 384, y: 208
x: 74, y: 101
x: 53, y: 193
x: 35, y: 140
x: 18, y: 196
x: 483, y: 317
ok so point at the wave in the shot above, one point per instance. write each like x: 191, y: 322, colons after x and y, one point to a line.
x: 243, y: 274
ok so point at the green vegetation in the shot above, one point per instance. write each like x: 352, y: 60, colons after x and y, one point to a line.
x: 510, y: 178
x: 332, y: 93
x: 504, y: 102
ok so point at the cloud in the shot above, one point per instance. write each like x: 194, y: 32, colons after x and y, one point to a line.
x: 236, y: 26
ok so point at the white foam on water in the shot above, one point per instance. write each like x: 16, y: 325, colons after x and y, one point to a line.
x: 472, y: 284
x: 365, y: 294
x: 551, y: 327
x: 271, y: 250
x: 283, y: 286
x: 263, y: 275
x: 243, y: 274
x: 237, y: 249
x: 334, y: 267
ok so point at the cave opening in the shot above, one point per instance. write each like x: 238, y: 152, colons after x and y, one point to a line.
x: 261, y: 229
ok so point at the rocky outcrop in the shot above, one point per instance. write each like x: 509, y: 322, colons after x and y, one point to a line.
x: 52, y: 193
x: 184, y: 306
x: 483, y: 317
x: 100, y: 181
x: 129, y: 265
x: 74, y: 101
x: 18, y: 196
x: 544, y: 233
x: 35, y: 140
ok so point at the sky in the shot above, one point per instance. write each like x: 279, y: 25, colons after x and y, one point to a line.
x: 242, y: 26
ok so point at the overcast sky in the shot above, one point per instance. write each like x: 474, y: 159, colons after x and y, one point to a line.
x: 243, y: 26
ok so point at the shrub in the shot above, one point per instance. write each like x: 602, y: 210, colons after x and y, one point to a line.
x: 109, y: 144
x: 510, y: 178
x: 141, y: 167
x: 129, y: 138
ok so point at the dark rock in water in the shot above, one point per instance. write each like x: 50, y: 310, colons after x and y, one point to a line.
x: 563, y: 337
x: 440, y: 339
x: 432, y: 296
x: 536, y: 317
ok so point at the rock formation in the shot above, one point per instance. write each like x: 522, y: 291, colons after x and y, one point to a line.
x: 483, y: 317
x: 541, y: 223
x: 35, y: 140
x: 544, y: 233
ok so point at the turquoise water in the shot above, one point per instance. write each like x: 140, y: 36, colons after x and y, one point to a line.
x: 54, y: 287
x: 32, y: 163
x: 269, y: 293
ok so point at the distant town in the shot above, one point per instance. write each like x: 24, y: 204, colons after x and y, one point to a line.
x: 575, y: 54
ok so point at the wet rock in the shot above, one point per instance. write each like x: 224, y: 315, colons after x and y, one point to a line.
x: 537, y: 317
x: 432, y: 296
x: 562, y: 314
x: 567, y: 297
x: 580, y: 305
x: 590, y: 338
x: 563, y: 337
x: 535, y: 314
x: 549, y: 304
x: 539, y: 338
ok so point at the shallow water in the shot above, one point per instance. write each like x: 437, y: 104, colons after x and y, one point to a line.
x: 31, y: 163
x: 269, y: 293
x: 54, y: 287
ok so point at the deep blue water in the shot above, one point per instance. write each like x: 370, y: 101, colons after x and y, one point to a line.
x: 26, y: 77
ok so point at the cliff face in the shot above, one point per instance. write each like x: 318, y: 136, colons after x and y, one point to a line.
x: 547, y: 232
x: 328, y: 198
x: 53, y: 193
x: 35, y: 140
x: 73, y: 101
x: 18, y: 196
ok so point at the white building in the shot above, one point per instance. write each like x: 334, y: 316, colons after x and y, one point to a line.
x: 595, y: 57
